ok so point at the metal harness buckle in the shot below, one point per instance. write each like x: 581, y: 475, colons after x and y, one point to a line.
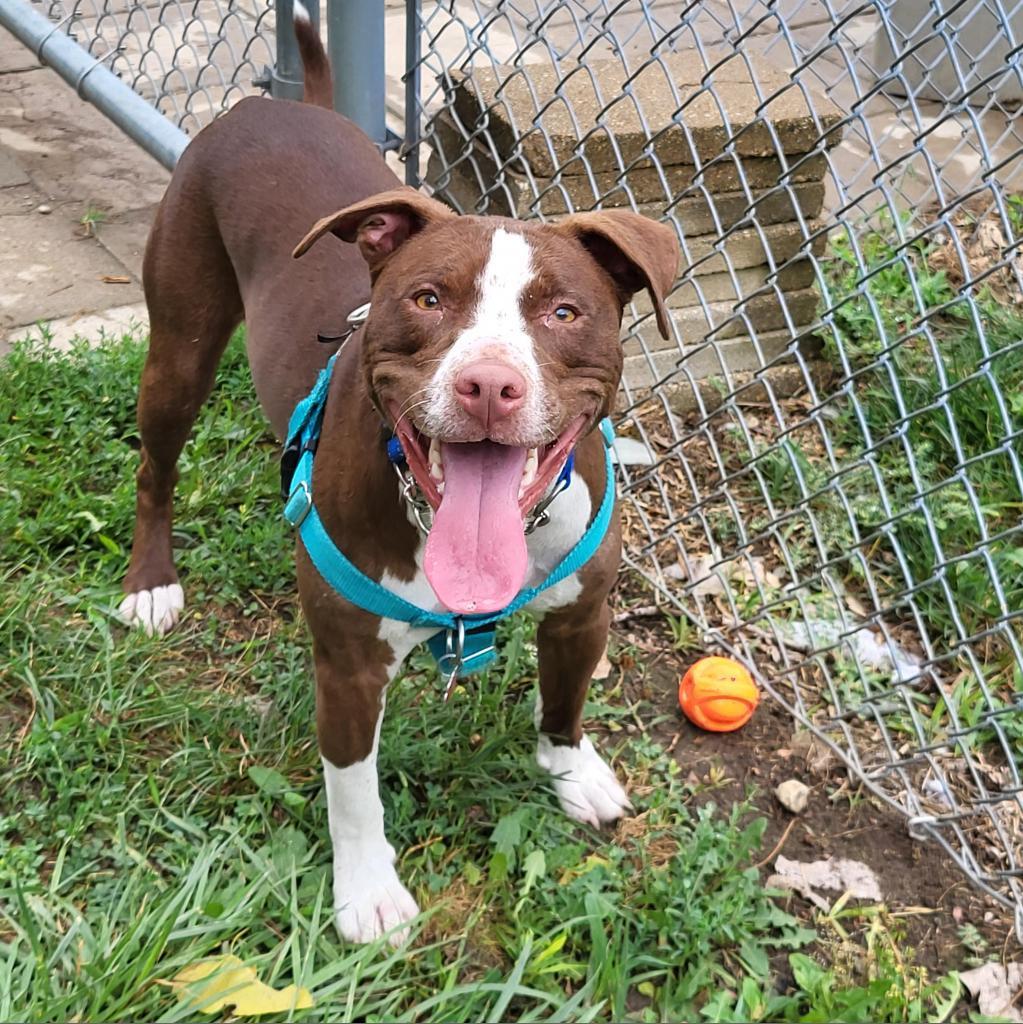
x: 359, y: 315
x: 455, y: 660
x: 452, y: 659
x: 295, y: 446
x: 299, y: 502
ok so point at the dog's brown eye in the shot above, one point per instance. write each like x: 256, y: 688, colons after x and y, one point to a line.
x: 564, y: 314
x: 427, y: 300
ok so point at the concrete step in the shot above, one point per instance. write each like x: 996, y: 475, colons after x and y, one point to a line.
x: 670, y: 107
x: 461, y: 172
x: 703, y: 289
x: 783, y: 380
x: 750, y: 247
x: 721, y: 320
x: 694, y: 363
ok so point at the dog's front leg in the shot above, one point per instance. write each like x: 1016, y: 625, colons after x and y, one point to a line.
x: 570, y: 643
x: 351, y: 682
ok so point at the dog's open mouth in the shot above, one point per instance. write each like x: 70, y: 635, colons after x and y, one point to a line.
x: 480, y: 491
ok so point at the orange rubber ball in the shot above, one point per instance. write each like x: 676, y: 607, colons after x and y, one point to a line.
x: 718, y: 694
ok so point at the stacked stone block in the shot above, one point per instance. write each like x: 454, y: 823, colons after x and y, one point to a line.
x: 736, y: 158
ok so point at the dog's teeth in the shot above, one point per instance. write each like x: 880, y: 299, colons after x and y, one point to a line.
x: 529, y: 470
x: 436, y: 463
x: 440, y: 486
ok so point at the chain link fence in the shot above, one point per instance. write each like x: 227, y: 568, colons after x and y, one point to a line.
x: 191, y: 60
x: 824, y: 472
x: 830, y: 473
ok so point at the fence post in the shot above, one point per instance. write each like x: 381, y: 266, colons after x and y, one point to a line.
x: 412, y: 121
x: 355, y: 39
x: 285, y: 79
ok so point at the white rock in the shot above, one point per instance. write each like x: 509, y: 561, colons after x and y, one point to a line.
x: 793, y: 795
x: 937, y: 790
x: 995, y: 987
x: 836, y: 873
x: 629, y: 452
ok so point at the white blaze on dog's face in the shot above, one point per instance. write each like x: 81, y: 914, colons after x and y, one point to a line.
x: 492, y: 346
x: 496, y: 338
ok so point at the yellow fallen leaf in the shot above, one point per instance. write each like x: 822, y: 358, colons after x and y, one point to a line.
x: 591, y: 862
x: 211, y: 985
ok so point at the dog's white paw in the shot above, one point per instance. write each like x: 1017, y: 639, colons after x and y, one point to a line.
x: 369, y: 900
x: 155, y: 611
x: 586, y: 787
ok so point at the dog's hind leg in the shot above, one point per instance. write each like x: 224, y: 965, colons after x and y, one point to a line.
x: 194, y: 306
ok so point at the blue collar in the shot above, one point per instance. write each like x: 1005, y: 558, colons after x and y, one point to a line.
x: 461, y: 643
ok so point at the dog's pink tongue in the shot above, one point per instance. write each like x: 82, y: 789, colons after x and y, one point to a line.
x: 476, y: 550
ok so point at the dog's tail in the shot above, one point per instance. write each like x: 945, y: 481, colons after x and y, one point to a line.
x: 319, y: 86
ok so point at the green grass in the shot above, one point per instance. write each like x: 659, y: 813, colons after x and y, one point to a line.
x: 936, y: 423
x: 162, y: 798
x: 918, y: 499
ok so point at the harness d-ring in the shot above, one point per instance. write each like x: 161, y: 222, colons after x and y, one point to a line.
x: 453, y: 659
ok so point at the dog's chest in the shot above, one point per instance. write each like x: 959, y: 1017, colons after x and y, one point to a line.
x: 569, y: 516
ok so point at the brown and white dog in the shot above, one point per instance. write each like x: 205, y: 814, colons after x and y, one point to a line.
x: 492, y: 348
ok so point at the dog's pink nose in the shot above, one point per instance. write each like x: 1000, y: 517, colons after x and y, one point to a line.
x: 490, y: 390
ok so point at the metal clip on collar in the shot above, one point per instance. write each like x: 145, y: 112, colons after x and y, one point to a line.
x: 356, y: 319
x: 539, y: 516
x: 414, y: 500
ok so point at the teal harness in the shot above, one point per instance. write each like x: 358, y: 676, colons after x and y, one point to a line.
x: 460, y: 643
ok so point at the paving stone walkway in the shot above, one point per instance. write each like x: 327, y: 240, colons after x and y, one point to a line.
x: 76, y: 198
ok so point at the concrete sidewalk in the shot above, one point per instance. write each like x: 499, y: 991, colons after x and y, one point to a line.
x: 76, y: 201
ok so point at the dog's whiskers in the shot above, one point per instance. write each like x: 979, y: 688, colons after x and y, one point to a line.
x: 410, y: 404
x: 404, y: 414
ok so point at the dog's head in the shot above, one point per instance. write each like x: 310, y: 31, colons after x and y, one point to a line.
x: 492, y: 346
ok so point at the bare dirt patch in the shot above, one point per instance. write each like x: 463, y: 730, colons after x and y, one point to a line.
x: 923, y: 890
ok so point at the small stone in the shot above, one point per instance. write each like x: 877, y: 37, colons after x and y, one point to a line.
x: 43, y: 208
x: 793, y: 795
x: 604, y: 667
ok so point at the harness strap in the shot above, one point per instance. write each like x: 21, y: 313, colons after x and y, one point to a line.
x: 304, y: 432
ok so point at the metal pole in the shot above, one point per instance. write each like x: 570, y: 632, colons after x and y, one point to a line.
x: 95, y: 83
x: 412, y: 55
x: 285, y: 80
x: 355, y: 38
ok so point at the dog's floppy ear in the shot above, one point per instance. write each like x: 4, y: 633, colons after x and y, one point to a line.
x: 379, y: 224
x: 636, y: 251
